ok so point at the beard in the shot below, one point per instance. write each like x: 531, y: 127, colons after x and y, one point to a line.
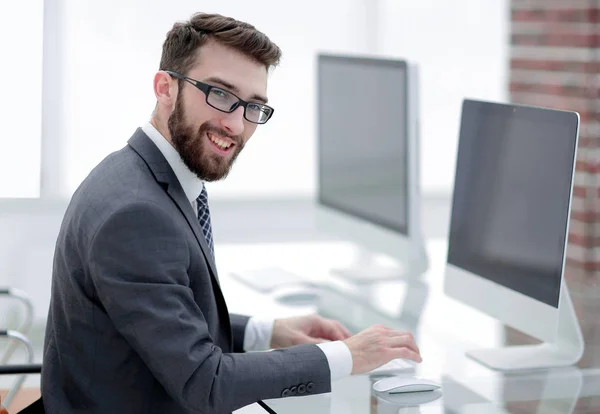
x: 193, y: 146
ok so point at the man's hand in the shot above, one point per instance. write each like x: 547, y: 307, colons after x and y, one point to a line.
x: 311, y: 329
x: 378, y: 345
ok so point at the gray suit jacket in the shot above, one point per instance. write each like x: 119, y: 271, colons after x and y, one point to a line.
x: 137, y: 321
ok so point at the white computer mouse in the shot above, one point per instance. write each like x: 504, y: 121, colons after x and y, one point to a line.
x: 402, y: 384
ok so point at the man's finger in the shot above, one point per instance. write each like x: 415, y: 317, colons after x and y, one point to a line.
x: 404, y: 341
x: 324, y: 329
x: 314, y: 341
x: 406, y: 353
x: 332, y: 330
x: 343, y: 333
x: 347, y: 334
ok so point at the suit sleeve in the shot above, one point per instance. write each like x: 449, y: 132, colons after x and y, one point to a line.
x: 138, y: 263
x: 238, y: 326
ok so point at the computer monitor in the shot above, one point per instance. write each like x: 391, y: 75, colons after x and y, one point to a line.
x: 368, y: 162
x: 509, y: 226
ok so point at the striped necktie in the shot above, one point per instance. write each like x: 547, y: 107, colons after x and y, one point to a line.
x: 204, y: 218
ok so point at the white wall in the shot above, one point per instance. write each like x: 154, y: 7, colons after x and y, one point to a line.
x: 99, y: 61
x: 21, y: 40
x: 28, y: 230
x: 107, y: 54
x: 100, y: 58
x: 112, y: 52
x: 462, y: 49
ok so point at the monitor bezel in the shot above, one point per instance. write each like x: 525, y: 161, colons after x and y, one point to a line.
x: 509, y: 306
x: 411, y: 182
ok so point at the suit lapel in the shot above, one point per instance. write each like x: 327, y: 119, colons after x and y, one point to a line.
x: 164, y: 174
x: 178, y: 195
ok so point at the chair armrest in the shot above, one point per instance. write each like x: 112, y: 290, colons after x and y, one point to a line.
x: 20, y: 369
x: 22, y: 297
x: 21, y: 338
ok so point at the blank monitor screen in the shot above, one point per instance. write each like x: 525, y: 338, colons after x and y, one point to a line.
x: 363, y: 138
x: 511, y: 196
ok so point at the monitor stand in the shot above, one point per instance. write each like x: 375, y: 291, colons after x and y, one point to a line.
x: 366, y: 270
x: 564, y: 384
x: 565, y: 350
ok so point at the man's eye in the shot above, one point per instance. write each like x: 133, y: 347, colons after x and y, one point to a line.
x: 219, y: 93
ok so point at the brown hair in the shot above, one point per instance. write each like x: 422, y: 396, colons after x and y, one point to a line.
x: 184, y: 39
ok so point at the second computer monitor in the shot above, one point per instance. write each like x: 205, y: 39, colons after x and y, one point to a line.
x: 509, y: 227
x: 368, y: 158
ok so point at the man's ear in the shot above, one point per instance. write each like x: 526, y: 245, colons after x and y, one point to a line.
x: 165, y: 89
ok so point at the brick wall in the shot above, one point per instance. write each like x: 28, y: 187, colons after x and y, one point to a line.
x: 555, y: 62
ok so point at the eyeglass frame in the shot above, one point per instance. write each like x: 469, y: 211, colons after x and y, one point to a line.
x: 206, y: 88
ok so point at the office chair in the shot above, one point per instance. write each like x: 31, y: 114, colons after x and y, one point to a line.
x: 16, y: 338
x: 25, y: 326
x: 6, y: 369
x: 37, y: 407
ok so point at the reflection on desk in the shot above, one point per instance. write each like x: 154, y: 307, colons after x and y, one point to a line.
x: 444, y: 330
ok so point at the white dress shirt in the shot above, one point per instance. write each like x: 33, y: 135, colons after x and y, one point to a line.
x: 257, y: 336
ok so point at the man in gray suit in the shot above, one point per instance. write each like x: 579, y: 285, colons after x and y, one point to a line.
x: 138, y: 322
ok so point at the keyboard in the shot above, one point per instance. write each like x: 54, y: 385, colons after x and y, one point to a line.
x: 395, y: 366
x: 269, y: 279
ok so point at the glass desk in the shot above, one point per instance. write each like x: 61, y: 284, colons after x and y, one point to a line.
x: 555, y: 393
x: 444, y: 330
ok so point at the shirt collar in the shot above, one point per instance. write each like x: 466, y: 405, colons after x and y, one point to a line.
x: 191, y: 184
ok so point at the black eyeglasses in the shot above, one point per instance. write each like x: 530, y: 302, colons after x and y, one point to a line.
x: 225, y: 101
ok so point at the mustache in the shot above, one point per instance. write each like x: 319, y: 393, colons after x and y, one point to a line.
x: 219, y: 131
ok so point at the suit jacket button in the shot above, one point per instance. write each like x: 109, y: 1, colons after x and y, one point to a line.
x: 310, y: 386
x: 301, y: 389
x: 293, y: 390
x: 286, y: 393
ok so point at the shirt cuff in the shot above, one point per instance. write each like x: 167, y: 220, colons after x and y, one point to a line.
x: 257, y: 336
x: 339, y: 358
